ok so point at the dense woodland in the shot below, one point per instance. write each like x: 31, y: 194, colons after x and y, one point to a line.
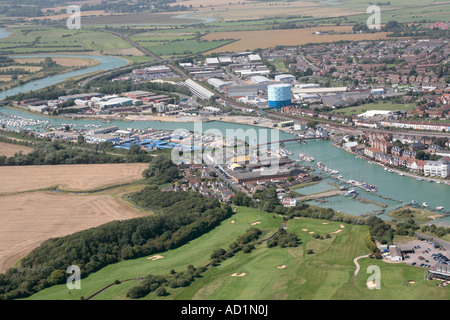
x: 57, y: 152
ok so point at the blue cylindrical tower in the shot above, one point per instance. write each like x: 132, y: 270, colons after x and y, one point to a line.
x: 279, y: 95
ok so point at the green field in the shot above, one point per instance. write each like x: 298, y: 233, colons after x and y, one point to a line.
x: 44, y: 39
x: 374, y: 106
x: 186, y: 46
x: 326, y: 274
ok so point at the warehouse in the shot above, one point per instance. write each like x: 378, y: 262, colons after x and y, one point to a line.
x: 198, y: 90
x: 285, y: 78
x: 217, y: 83
x: 319, y: 90
x: 261, y: 79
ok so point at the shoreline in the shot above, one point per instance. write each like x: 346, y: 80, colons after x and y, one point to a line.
x: 396, y: 170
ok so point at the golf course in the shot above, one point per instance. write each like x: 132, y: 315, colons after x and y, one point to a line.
x: 319, y: 268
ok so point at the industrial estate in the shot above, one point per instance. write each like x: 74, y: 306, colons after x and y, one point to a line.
x: 224, y: 151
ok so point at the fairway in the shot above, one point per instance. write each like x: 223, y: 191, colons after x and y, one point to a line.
x: 265, y: 273
x: 68, y: 177
x: 27, y: 220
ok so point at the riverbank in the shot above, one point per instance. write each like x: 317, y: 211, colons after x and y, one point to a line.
x: 398, y: 171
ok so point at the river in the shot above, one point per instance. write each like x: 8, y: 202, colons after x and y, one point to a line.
x: 393, y: 190
x: 4, y: 34
x: 106, y: 63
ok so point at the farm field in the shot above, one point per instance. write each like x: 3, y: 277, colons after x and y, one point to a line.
x: 28, y: 220
x: 251, y: 40
x: 63, y: 61
x: 68, y: 177
x: 44, y: 39
x: 374, y: 106
x: 142, y: 19
x: 186, y: 46
x: 9, y: 149
x: 265, y: 273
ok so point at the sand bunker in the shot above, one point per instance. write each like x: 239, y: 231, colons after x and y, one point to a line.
x: 155, y: 257
x: 232, y: 221
x: 371, y: 284
x: 325, y: 223
x: 337, y: 231
x: 311, y: 232
x: 282, y: 266
x: 304, y: 229
x: 255, y: 223
x: 342, y: 226
x: 238, y: 275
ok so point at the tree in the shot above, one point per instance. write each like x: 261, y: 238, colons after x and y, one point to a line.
x: 161, y: 291
x: 80, y: 139
x: 57, y: 277
x: 312, y: 124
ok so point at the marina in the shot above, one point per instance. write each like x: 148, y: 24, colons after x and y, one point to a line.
x: 348, y: 170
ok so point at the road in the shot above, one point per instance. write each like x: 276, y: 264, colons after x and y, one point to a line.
x: 235, y: 186
x: 443, y: 243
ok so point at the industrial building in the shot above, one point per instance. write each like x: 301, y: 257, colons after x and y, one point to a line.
x: 319, y: 90
x: 285, y: 78
x: 198, y: 90
x: 217, y: 83
x: 279, y: 95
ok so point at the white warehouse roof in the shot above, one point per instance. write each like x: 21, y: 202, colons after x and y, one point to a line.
x: 254, y: 57
x: 198, y: 90
x: 260, y: 79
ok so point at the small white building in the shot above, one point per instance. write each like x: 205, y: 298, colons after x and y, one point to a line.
x: 395, y: 253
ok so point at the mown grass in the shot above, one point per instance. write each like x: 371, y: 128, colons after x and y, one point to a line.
x: 325, y: 274
x: 374, y: 106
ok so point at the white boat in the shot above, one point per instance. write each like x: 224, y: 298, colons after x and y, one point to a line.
x: 390, y: 171
x: 425, y: 205
x: 439, y: 208
x: 401, y: 174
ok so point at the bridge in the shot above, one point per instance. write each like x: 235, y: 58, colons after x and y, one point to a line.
x: 294, y: 139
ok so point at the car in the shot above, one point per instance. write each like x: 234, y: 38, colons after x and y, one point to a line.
x: 421, y: 264
x: 426, y: 251
x: 413, y: 263
x: 427, y: 261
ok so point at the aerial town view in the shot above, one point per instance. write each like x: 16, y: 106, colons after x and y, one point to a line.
x: 193, y: 150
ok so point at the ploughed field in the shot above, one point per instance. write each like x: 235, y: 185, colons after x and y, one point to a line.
x: 9, y: 150
x: 29, y: 218
x: 68, y: 177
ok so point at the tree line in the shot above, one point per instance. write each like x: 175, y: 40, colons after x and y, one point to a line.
x: 57, y: 153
